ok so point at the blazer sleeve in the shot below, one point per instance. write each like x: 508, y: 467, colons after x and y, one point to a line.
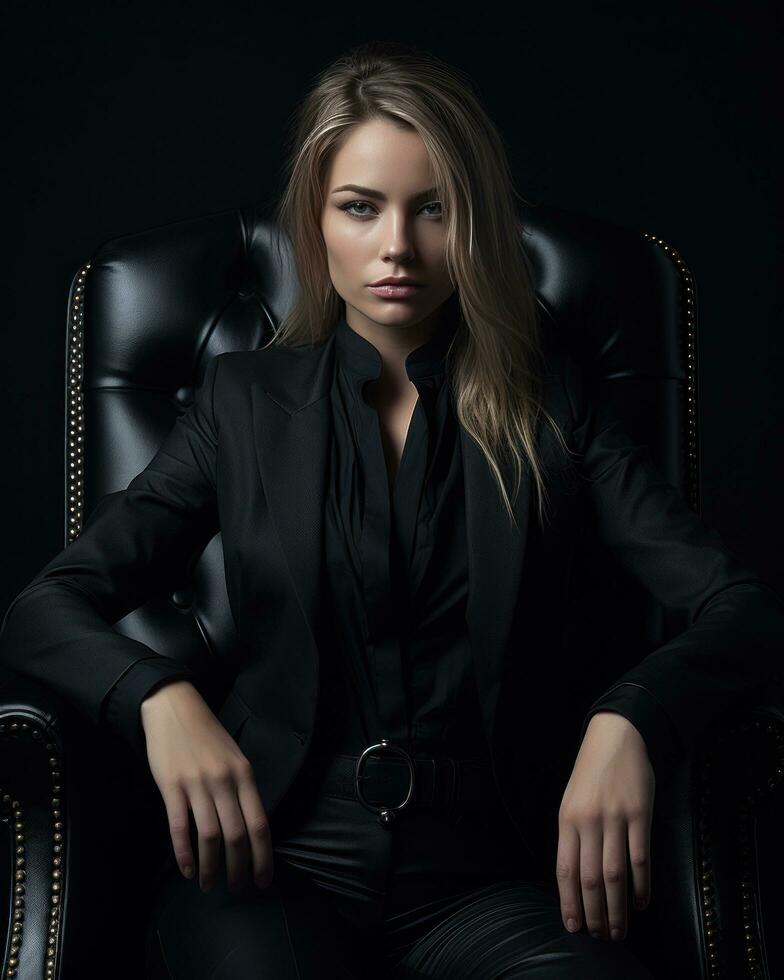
x: 134, y: 545
x: 121, y: 708
x: 733, y: 646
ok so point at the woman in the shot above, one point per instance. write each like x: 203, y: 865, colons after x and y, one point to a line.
x: 419, y: 401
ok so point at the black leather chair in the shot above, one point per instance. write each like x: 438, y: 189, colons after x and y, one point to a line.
x: 86, y: 824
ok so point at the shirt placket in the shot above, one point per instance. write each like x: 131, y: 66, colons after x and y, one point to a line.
x: 384, y: 643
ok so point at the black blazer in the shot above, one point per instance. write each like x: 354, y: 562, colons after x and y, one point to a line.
x: 249, y: 458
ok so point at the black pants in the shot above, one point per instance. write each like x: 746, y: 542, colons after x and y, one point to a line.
x: 433, y: 895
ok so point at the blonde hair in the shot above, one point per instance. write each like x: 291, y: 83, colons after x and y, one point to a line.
x: 495, y: 359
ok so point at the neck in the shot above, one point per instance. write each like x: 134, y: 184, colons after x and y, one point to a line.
x: 394, y: 346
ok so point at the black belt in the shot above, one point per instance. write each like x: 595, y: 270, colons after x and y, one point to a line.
x: 386, y: 779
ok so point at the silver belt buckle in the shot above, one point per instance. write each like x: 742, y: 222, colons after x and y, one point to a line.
x: 386, y: 814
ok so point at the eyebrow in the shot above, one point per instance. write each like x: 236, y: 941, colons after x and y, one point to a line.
x: 369, y: 192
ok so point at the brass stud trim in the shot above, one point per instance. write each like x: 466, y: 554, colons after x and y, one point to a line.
x: 11, y: 810
x: 688, y: 301
x: 12, y: 813
x: 74, y: 444
x: 748, y: 885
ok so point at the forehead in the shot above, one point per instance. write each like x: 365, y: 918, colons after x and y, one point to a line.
x: 381, y: 155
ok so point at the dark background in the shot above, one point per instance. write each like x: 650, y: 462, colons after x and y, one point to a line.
x: 664, y: 117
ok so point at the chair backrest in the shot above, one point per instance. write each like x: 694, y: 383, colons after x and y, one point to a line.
x: 150, y: 309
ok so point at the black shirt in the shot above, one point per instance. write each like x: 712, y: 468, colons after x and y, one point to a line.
x: 397, y: 566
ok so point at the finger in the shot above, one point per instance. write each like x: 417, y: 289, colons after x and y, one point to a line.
x: 178, y: 816
x: 592, y: 877
x: 567, y: 873
x: 257, y: 826
x: 209, y: 835
x: 640, y: 857
x: 614, y: 873
x: 234, y: 833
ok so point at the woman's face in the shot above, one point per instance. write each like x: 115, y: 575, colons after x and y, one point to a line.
x: 396, y: 231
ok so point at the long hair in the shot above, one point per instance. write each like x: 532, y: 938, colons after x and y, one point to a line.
x: 495, y: 359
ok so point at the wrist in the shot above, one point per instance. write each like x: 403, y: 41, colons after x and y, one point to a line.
x: 610, y: 721
x: 608, y: 714
x: 167, y: 691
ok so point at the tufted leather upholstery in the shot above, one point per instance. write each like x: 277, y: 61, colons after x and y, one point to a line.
x: 145, y: 315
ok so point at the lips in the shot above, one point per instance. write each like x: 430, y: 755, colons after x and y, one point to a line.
x: 395, y: 281
x: 394, y: 292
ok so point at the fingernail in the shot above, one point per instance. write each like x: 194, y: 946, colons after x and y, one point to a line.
x: 188, y: 871
x: 571, y: 925
x: 616, y: 934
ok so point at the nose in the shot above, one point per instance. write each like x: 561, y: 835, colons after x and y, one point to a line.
x: 398, y: 241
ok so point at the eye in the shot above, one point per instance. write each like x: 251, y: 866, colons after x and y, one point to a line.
x: 354, y: 204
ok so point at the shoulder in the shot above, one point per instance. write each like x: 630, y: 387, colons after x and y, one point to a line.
x: 562, y: 373
x: 267, y: 361
x: 558, y: 368
x: 290, y: 375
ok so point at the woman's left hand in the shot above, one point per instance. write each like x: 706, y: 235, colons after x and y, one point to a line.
x: 607, y: 805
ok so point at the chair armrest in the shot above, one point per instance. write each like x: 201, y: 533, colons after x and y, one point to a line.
x: 33, y: 805
x: 90, y: 829
x: 706, y: 913
x: 739, y: 787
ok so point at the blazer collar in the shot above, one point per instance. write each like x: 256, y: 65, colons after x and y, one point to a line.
x: 292, y: 430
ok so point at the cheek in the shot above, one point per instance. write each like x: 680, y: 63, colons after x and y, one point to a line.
x: 440, y: 275
x: 432, y: 248
x: 347, y: 252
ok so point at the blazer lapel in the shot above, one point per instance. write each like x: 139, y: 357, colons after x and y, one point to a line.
x: 495, y: 562
x: 292, y: 431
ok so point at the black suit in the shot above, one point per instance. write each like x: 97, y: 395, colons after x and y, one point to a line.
x: 249, y: 458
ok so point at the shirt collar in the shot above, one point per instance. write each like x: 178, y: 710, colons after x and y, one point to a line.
x: 362, y: 360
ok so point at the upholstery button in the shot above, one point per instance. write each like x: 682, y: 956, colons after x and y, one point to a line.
x: 184, y: 395
x: 182, y: 598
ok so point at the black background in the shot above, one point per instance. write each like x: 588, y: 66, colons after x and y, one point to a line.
x: 663, y: 116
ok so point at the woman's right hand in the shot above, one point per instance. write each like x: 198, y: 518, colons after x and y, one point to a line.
x: 198, y: 766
